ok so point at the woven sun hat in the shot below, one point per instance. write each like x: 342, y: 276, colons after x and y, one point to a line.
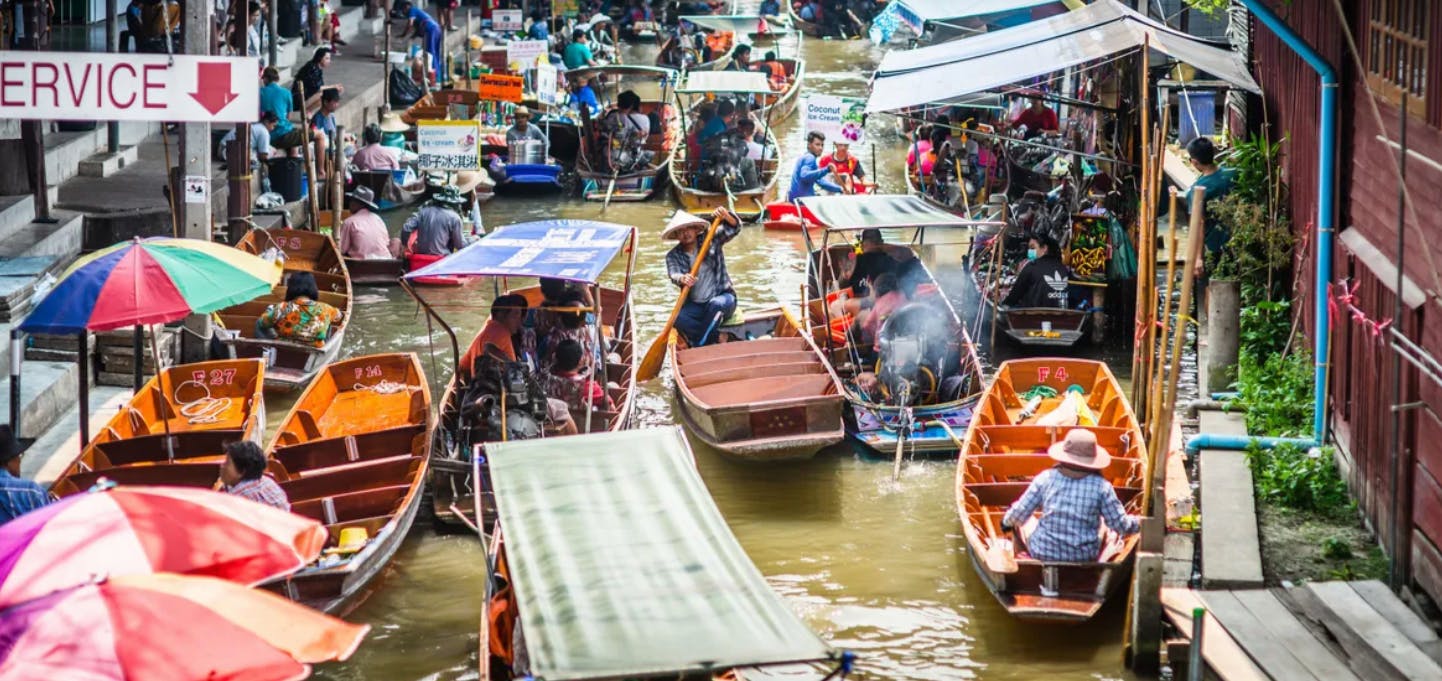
x: 1079, y: 448
x: 682, y: 220
x: 393, y: 123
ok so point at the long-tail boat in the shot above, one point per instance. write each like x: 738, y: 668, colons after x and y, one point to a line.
x: 172, y: 431
x: 913, y: 388
x: 686, y: 172
x: 628, y: 508
x: 593, y: 163
x: 576, y: 251
x: 352, y: 453
x: 766, y: 395
x: 294, y: 364
x: 1025, y: 410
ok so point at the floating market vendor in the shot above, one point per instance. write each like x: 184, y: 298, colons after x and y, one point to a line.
x: 1036, y: 119
x: 1043, y: 279
x: 711, y: 295
x: 435, y: 229
x: 808, y: 172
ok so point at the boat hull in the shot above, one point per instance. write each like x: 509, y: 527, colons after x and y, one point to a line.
x: 380, y: 272
x: 1045, y: 326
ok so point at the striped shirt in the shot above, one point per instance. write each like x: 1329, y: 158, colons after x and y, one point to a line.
x: 1071, y: 513
x: 261, y: 490
x: 19, y: 496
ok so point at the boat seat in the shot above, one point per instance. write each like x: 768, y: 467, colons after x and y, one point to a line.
x: 1005, y: 466
x: 356, y: 476
x: 1009, y: 439
x: 184, y: 474
x: 1004, y: 493
x: 776, y: 372
x: 151, y: 448
x: 301, y: 459
x: 308, y: 425
x: 761, y: 390
x: 692, y: 367
x: 350, y: 506
x: 728, y: 350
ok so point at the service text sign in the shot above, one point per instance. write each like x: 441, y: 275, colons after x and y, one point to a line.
x: 448, y: 145
x: 840, y: 119
x: 506, y: 19
x: 495, y: 87
x: 91, y: 86
x: 525, y: 52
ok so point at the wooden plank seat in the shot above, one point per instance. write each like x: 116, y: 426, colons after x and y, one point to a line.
x: 694, y: 368
x: 301, y: 459
x: 1000, y: 467
x: 717, y: 350
x: 180, y: 474
x: 1005, y: 439
x: 351, y: 506
x: 773, y: 371
x: 1004, y: 493
x: 151, y: 448
x: 329, y: 481
x: 751, y: 391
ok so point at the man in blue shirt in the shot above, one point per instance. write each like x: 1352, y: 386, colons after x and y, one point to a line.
x: 578, y: 53
x: 725, y: 112
x: 18, y: 496
x: 538, y: 30
x: 808, y: 173
x: 585, y: 96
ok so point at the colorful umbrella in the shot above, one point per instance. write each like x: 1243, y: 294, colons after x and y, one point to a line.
x: 137, y: 530
x: 168, y: 627
x: 150, y: 281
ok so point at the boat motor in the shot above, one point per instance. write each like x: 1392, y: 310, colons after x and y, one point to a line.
x: 912, y: 347
x: 504, y: 403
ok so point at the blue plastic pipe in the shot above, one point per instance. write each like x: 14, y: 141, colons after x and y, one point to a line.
x: 1326, y: 216
x: 1202, y: 441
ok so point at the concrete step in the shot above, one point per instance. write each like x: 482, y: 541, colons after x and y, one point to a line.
x: 54, y: 450
x: 15, y: 211
x: 47, y: 391
x: 64, y: 151
x: 1231, y: 545
x: 61, y: 238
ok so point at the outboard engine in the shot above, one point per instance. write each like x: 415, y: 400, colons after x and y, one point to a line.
x: 504, y: 402
x: 912, y: 351
x: 725, y: 161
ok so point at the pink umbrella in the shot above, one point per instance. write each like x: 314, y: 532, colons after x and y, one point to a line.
x: 137, y: 530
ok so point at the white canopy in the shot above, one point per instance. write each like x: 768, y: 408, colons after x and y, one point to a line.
x: 940, y: 10
x: 940, y: 73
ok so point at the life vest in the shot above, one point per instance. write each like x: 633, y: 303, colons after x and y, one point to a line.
x: 718, y: 43
x: 847, y: 167
x: 501, y: 617
x: 776, y: 69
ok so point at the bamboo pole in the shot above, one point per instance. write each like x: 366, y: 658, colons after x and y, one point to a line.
x: 1158, y: 377
x: 337, y: 183
x: 1138, y: 350
x: 1158, y: 146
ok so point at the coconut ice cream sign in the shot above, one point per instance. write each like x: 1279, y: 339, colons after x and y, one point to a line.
x: 840, y: 119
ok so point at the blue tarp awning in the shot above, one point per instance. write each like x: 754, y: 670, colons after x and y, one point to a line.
x: 574, y: 250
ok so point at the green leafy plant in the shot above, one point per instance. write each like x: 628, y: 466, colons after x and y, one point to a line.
x: 1336, y: 548
x: 1259, y: 250
x: 1266, y: 325
x: 1276, y: 390
x: 1299, y: 479
x: 1209, y: 6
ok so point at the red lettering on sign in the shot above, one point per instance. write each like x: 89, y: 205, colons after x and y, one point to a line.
x: 76, y: 95
x: 48, y: 84
x: 6, y: 83
x: 1042, y: 373
x: 158, y: 84
x: 1061, y: 373
x: 110, y: 85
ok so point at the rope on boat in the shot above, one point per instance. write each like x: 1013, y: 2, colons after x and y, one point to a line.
x: 384, y: 387
x: 203, y: 409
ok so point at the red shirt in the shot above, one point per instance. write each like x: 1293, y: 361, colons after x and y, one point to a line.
x: 847, y: 167
x: 1037, y: 120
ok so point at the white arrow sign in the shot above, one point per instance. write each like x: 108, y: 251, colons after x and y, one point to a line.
x: 129, y: 87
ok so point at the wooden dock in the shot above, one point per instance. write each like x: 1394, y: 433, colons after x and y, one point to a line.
x: 1323, y: 631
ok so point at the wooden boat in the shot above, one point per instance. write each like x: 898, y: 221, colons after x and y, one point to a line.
x: 714, y: 64
x: 380, y: 272
x: 458, y: 441
x: 764, y: 397
x: 594, y: 528
x: 1054, y: 327
x: 941, y: 388
x: 1003, y: 451
x: 173, y: 435
x: 352, y: 453
x: 816, y: 29
x: 777, y: 107
x: 749, y: 204
x: 295, y: 363
x: 597, y: 182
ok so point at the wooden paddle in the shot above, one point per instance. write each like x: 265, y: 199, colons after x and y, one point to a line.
x: 656, y: 354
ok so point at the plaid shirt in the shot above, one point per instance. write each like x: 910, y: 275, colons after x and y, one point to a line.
x: 261, y: 490
x: 712, y: 279
x: 1071, y: 514
x: 19, y: 496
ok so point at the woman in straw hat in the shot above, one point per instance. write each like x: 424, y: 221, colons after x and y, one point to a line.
x: 1074, y: 499
x: 711, y: 298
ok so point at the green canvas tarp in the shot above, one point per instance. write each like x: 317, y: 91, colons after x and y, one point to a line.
x: 623, y: 567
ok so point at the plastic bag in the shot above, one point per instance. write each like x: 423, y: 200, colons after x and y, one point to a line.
x: 1123, y: 263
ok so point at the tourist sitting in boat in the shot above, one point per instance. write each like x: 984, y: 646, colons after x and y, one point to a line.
x: 1036, y: 120
x: 775, y: 71
x: 1043, y: 279
x: 578, y: 53
x: 847, y: 168
x: 554, y: 294
x: 715, y: 125
x: 770, y: 9
x: 497, y: 336
x: 302, y: 318
x: 18, y: 496
x: 740, y: 59
x: 887, y: 297
x: 626, y: 130
x: 1074, y: 499
x: 583, y: 97
x: 243, y: 474
x: 808, y: 172
x: 363, y: 235
x: 872, y: 262
x: 755, y: 151
x: 566, y: 324
x: 675, y: 55
x: 711, y: 298
x: 808, y: 11
x: 599, y: 36
x: 435, y: 229
x: 569, y: 380
x: 374, y: 155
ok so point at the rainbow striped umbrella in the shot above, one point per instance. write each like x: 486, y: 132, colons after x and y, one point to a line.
x: 150, y: 281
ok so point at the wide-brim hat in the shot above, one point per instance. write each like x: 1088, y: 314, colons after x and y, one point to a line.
x: 597, y: 20
x: 682, y: 220
x: 364, y: 196
x: 521, y: 111
x: 393, y: 123
x: 467, y: 180
x: 1080, y: 449
x: 449, y: 195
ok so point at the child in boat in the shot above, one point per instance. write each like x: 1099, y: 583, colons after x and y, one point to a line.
x: 302, y: 317
x: 567, y: 382
x: 1074, y: 499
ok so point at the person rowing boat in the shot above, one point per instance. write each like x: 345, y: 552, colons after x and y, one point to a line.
x: 711, y: 295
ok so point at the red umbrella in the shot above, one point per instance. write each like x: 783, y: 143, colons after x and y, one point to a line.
x: 165, y: 627
x: 134, y: 530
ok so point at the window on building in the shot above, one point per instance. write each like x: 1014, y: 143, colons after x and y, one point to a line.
x: 1397, y: 50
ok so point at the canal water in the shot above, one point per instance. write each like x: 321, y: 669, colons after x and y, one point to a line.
x: 874, y: 566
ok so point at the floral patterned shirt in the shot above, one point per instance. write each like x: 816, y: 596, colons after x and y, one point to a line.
x: 302, y: 320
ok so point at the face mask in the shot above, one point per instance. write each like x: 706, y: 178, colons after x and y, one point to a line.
x: 1031, y: 254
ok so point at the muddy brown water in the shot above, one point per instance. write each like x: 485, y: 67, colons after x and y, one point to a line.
x: 874, y: 566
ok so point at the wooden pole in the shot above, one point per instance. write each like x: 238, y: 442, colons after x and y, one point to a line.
x: 308, y: 156
x: 385, y: 59
x: 1139, y: 351
x: 467, y: 66
x: 1167, y: 328
x: 337, y: 182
